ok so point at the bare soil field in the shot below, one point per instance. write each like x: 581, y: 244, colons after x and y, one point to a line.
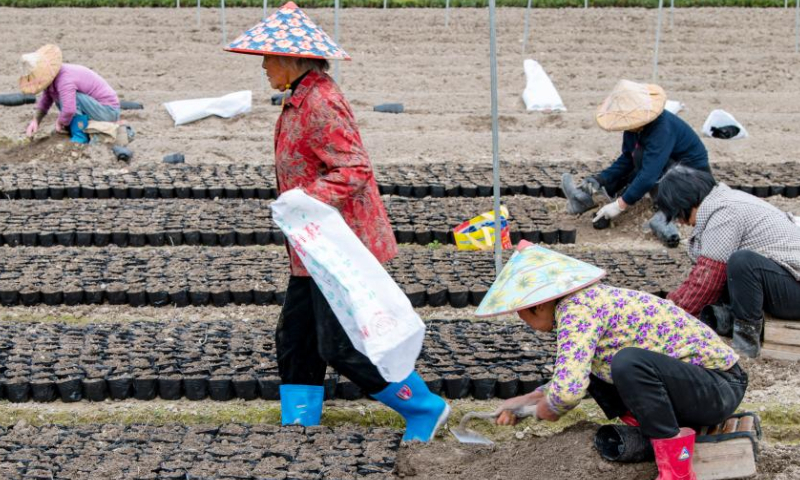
x: 740, y: 60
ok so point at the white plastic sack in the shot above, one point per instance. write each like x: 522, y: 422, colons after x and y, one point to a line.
x: 540, y: 94
x: 376, y: 315
x: 721, y: 118
x: 674, y: 106
x: 187, y: 111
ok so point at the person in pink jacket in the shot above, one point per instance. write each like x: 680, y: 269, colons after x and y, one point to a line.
x: 79, y: 93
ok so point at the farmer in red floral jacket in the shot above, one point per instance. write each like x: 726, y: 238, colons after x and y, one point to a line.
x: 318, y: 148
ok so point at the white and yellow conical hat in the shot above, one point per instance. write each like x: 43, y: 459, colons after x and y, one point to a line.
x: 630, y: 105
x: 39, y: 69
x: 535, y: 275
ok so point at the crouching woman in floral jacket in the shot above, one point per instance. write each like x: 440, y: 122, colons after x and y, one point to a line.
x: 643, y: 359
x: 318, y: 149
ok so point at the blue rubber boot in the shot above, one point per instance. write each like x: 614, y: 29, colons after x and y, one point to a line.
x: 423, y: 411
x: 77, y: 127
x: 301, y: 404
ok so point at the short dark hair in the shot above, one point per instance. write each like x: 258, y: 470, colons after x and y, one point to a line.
x: 681, y: 189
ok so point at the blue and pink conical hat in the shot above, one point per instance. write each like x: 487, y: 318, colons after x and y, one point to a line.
x: 291, y: 33
x: 535, y: 275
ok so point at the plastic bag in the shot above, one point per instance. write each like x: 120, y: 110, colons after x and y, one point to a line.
x: 187, y: 111
x: 674, y: 106
x: 478, y: 232
x: 540, y: 94
x: 376, y: 315
x: 719, y: 119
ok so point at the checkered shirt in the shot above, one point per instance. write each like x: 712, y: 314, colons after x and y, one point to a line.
x: 730, y: 220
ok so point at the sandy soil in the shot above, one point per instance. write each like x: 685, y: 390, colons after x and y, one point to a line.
x: 740, y: 60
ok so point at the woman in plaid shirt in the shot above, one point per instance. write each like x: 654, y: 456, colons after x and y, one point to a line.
x: 740, y: 242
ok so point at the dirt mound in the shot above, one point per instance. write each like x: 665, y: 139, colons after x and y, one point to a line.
x: 567, y: 455
x: 53, y: 149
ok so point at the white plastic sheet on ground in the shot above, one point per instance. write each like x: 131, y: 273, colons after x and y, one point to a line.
x: 674, y: 106
x: 540, y: 94
x: 721, y: 118
x: 376, y: 315
x: 187, y: 111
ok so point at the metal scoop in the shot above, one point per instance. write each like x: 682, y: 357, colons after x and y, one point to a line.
x: 465, y: 435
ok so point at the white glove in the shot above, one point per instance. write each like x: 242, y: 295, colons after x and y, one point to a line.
x: 610, y: 211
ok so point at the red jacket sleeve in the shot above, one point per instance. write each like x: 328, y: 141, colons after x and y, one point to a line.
x: 703, y: 286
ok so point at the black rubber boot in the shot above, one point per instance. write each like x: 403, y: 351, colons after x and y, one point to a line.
x: 622, y: 443
x: 665, y: 231
x: 579, y: 199
x: 747, y: 337
x: 719, y: 318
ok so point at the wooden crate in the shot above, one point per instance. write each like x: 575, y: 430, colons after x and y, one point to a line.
x: 781, y: 339
x: 728, y: 450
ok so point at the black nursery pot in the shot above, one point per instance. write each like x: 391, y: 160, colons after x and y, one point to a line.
x: 196, y: 387
x: 18, y: 390
x: 269, y: 387
x: 483, y: 387
x: 120, y: 387
x: 144, y: 388
x: 507, y: 387
x: 169, y: 387
x: 69, y: 389
x: 44, y: 390
x: 456, y: 386
x: 245, y: 387
x: 95, y: 389
x: 220, y: 388
x: 434, y: 382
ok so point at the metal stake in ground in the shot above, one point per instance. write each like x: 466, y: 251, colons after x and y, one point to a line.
x: 264, y: 15
x: 797, y: 27
x: 498, y: 246
x: 336, y: 38
x: 222, y: 19
x: 446, y: 13
x: 527, y: 26
x: 198, y: 13
x: 658, y: 39
x: 585, y: 3
x: 671, y: 13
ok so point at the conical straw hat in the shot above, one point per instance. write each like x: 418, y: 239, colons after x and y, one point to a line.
x: 39, y: 69
x: 288, y: 32
x: 535, y: 275
x: 631, y: 105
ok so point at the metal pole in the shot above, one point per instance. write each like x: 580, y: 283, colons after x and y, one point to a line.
x: 336, y: 38
x: 585, y: 3
x: 797, y: 27
x: 671, y: 13
x: 527, y: 24
x: 177, y: 3
x: 198, y: 13
x: 446, y: 13
x: 658, y: 39
x: 386, y: 1
x: 224, y: 30
x: 498, y: 246
x: 264, y: 15
x: 785, y: 3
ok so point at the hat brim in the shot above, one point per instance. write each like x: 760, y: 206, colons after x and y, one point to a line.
x: 514, y: 310
x: 281, y: 54
x: 45, y: 71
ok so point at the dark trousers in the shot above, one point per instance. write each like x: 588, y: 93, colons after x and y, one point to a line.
x: 616, y: 187
x: 309, y: 338
x: 664, y: 393
x: 757, y: 284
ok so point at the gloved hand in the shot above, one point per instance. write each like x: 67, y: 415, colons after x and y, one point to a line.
x: 610, y: 211
x: 33, y: 127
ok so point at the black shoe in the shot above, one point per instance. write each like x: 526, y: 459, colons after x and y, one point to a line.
x: 666, y: 232
x: 719, y: 318
x: 747, y: 337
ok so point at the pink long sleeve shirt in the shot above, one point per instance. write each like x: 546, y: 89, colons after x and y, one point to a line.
x: 71, y: 80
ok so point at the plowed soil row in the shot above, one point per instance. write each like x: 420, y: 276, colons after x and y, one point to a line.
x: 231, y: 451
x: 249, y: 222
x: 257, y: 181
x: 226, y: 360
x: 219, y: 276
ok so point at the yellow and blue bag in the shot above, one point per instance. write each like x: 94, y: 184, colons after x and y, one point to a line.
x: 478, y: 232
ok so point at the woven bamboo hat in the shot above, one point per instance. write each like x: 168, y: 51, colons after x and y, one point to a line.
x: 631, y: 105
x: 535, y: 275
x: 39, y: 69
